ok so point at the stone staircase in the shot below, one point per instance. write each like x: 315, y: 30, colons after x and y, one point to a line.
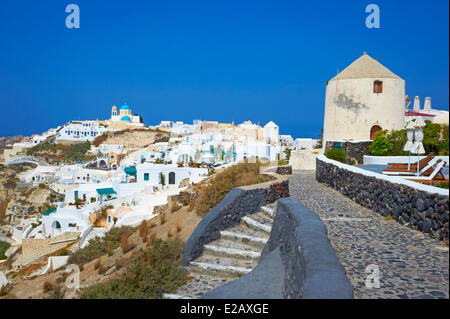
x: 235, y: 254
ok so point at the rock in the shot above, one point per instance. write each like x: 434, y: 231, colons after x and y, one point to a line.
x: 419, y: 205
x: 420, y: 225
x: 426, y: 225
x: 444, y: 217
x: 434, y: 224
x: 429, y: 212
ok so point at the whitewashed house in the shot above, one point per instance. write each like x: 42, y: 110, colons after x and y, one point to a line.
x: 80, y: 131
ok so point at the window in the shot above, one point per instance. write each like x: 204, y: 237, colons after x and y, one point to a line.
x: 146, y: 176
x: 377, y: 87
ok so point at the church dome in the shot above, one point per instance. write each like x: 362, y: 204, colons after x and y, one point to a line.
x: 125, y: 107
x: 125, y: 118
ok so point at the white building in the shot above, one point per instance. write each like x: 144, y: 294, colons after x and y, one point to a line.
x: 271, y: 133
x: 80, y: 131
x: 305, y: 143
x: 364, y: 98
x: 286, y: 140
x: 427, y: 113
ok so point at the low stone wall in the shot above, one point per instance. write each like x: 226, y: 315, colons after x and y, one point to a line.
x: 297, y: 262
x: 35, y: 248
x: 422, y: 210
x: 236, y: 204
x: 284, y: 170
x: 355, y: 150
x: 311, y: 267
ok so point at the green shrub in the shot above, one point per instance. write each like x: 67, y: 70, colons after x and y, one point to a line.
x: 380, y: 145
x: 101, y: 246
x: 336, y: 154
x: 154, y: 271
x: 70, y: 153
x: 440, y: 185
x: 391, y: 143
x: 3, y: 248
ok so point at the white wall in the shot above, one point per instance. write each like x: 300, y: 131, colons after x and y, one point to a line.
x: 351, y: 108
x: 384, y: 160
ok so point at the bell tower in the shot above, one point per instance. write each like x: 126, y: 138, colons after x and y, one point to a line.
x: 114, y: 111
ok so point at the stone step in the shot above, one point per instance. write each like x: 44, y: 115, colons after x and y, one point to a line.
x: 262, y: 218
x: 234, y: 249
x: 251, y: 222
x: 270, y: 212
x: 222, y: 266
x: 244, y: 229
x: 200, y: 284
x: 238, y: 235
x: 175, y: 296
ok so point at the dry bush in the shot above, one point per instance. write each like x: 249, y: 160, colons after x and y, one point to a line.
x: 48, y: 286
x: 143, y: 230
x: 162, y: 218
x: 212, y: 191
x: 124, y: 243
x: 110, y: 250
x: 151, y: 239
x: 97, y: 264
x: 174, y: 207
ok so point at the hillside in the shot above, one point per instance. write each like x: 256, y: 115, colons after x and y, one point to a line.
x: 136, y: 138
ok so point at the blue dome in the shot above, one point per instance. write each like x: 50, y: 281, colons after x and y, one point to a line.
x: 125, y: 107
x: 125, y: 118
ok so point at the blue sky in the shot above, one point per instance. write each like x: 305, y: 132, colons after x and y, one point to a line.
x: 210, y: 60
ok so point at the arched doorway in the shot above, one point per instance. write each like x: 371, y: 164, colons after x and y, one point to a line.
x: 56, y: 228
x: 373, y: 131
x: 171, y: 178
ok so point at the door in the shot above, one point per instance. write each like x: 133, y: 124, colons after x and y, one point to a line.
x: 171, y: 178
x: 373, y: 131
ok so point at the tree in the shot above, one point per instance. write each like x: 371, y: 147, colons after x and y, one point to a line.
x: 287, y: 151
x: 380, y: 145
x: 320, y: 141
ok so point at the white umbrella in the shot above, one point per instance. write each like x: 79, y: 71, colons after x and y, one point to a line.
x: 418, y: 136
x: 410, y: 142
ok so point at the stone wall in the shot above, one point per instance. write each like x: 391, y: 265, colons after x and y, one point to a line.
x: 236, y: 204
x: 297, y: 262
x: 35, y: 248
x: 284, y: 170
x: 355, y: 150
x: 421, y: 210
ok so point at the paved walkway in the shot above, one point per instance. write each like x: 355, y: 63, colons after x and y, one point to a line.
x: 411, y: 265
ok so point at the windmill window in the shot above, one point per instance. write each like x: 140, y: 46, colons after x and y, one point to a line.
x: 377, y: 87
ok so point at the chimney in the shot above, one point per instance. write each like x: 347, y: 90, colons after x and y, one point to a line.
x: 427, y: 105
x: 416, y: 103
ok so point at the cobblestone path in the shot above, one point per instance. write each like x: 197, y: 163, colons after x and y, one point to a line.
x: 411, y: 265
